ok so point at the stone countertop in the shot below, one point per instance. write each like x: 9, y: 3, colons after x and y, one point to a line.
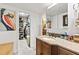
x: 72, y: 46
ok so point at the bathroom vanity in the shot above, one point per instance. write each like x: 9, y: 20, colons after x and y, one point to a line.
x: 43, y: 48
x: 55, y: 46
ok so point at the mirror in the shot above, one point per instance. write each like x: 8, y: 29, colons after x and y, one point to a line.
x: 57, y: 18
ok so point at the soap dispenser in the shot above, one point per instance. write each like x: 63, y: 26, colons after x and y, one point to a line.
x: 65, y: 35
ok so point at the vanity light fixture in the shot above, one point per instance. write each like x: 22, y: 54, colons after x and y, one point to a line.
x: 51, y: 5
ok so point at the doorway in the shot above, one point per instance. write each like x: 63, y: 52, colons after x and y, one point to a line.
x: 24, y: 27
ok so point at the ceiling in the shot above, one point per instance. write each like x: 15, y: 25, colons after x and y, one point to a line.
x: 41, y: 7
x: 34, y: 7
x: 58, y: 9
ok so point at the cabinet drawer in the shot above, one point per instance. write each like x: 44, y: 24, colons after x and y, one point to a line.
x: 63, y: 51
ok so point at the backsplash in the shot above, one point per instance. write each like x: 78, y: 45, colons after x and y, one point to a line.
x: 56, y: 30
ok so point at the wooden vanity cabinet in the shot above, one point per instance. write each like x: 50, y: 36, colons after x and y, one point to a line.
x: 43, y: 48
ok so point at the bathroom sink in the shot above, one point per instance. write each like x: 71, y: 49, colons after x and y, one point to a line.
x: 48, y: 38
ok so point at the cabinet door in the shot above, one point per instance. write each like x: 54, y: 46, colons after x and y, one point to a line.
x: 54, y: 50
x: 46, y: 49
x: 38, y: 47
x: 63, y: 51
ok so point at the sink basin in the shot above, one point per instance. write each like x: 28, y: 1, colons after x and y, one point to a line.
x: 48, y: 38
